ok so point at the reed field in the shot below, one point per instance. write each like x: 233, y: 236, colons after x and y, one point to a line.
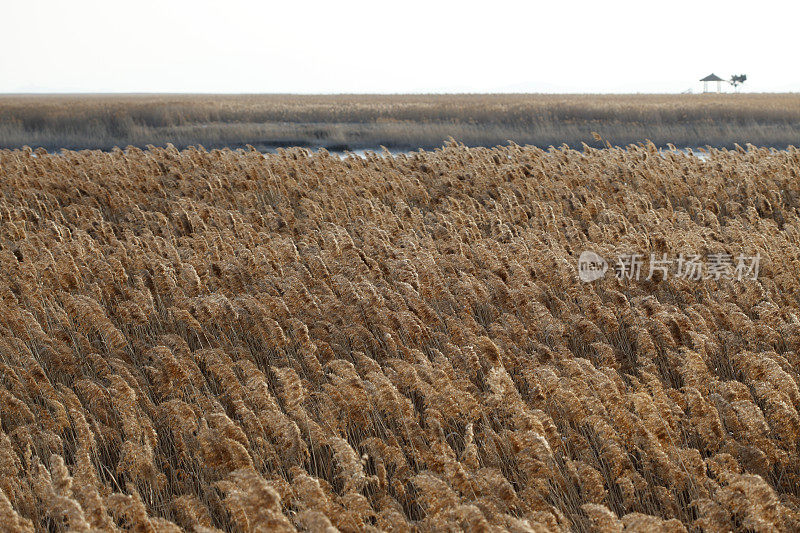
x: 219, y: 340
x: 399, y: 122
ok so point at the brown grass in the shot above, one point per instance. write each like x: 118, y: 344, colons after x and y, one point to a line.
x: 222, y: 341
x: 404, y: 122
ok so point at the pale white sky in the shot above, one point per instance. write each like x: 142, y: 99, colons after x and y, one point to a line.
x: 404, y: 46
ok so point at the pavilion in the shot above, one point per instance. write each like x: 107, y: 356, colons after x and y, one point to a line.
x: 712, y: 77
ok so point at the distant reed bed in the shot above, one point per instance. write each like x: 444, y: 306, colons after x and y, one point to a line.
x: 400, y: 122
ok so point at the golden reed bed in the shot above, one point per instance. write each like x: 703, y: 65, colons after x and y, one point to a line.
x: 226, y: 341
